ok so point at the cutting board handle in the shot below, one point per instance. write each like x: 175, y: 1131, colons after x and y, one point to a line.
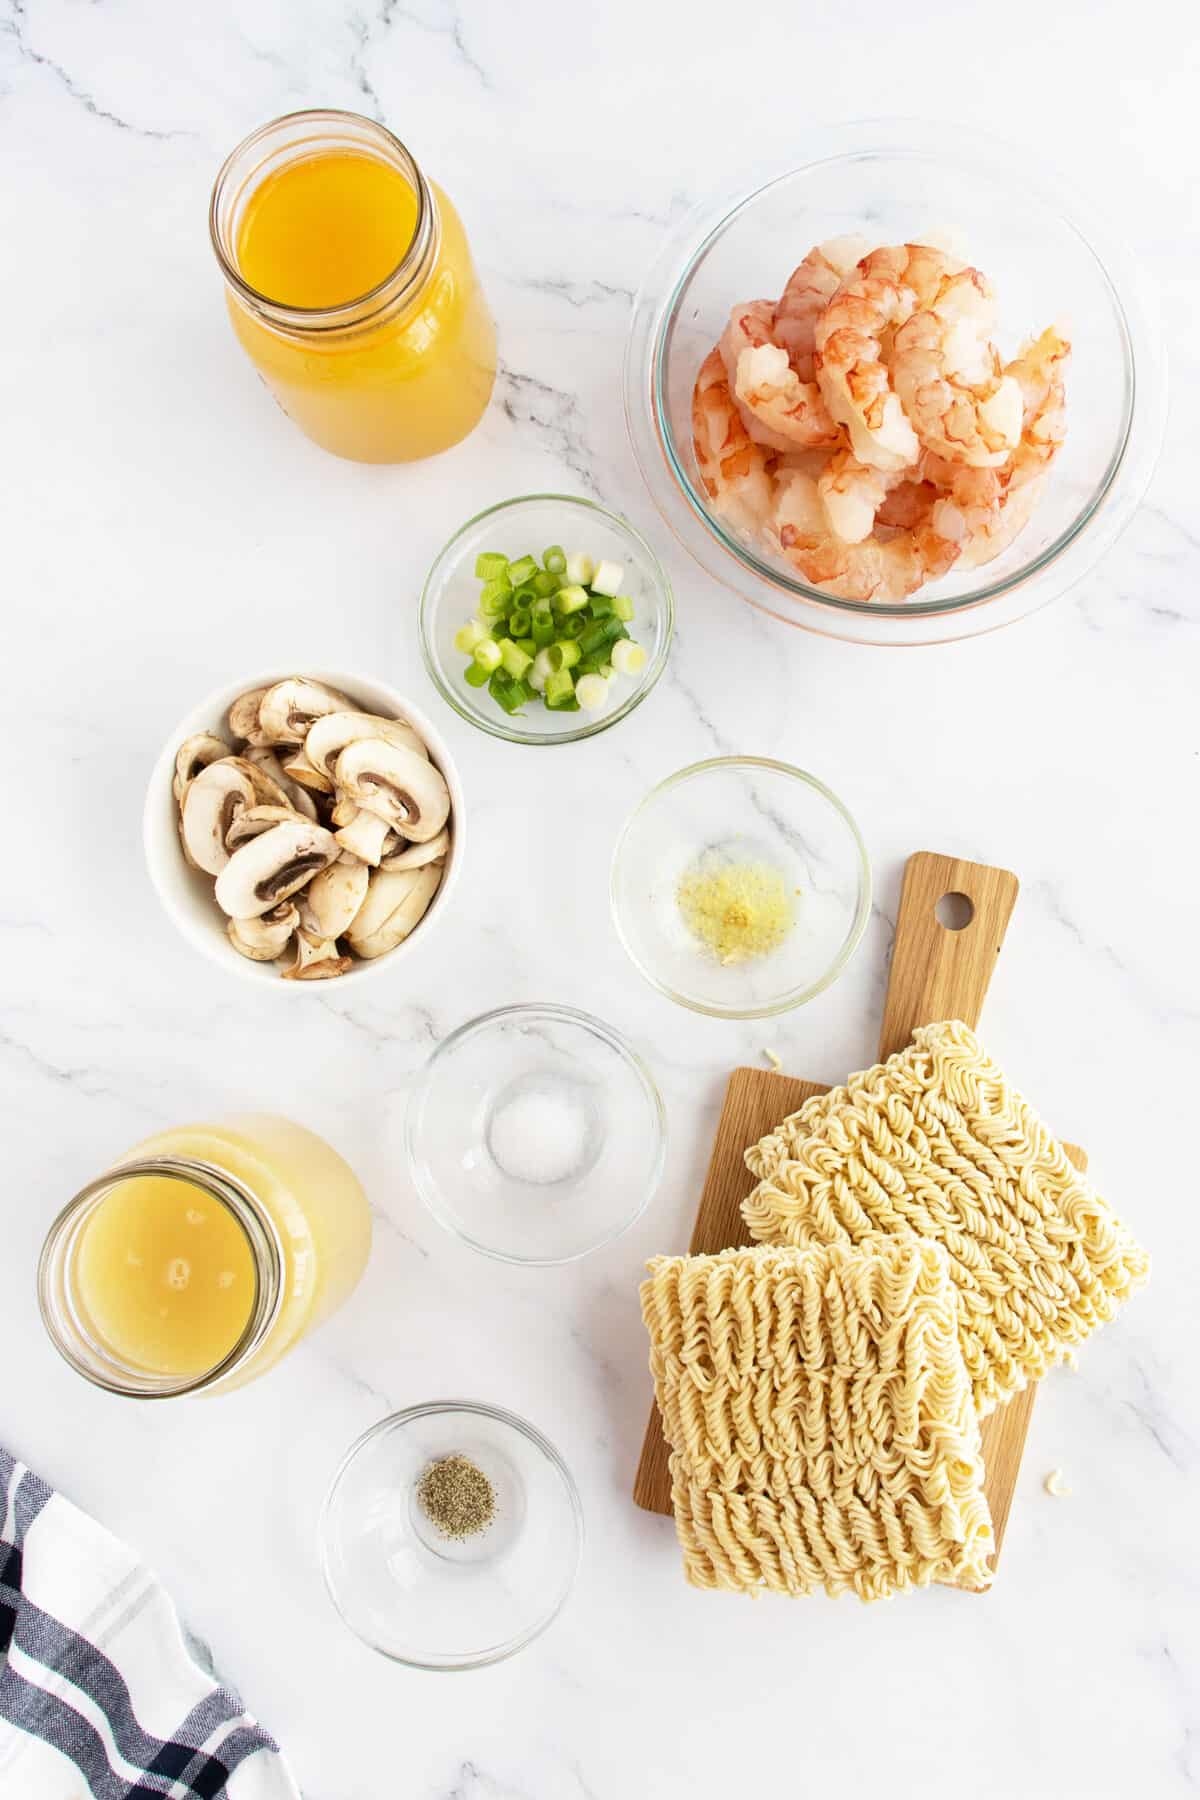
x: 940, y: 971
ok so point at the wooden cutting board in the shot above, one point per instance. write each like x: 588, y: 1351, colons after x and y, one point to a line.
x: 937, y: 973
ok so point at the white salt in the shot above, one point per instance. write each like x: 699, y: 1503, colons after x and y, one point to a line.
x: 539, y: 1136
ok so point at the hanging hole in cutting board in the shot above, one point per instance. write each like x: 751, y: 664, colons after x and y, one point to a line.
x: 954, y: 911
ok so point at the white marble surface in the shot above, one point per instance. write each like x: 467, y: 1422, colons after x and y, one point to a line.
x: 164, y: 527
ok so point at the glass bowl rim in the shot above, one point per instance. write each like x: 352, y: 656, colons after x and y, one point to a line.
x: 499, y: 727
x: 405, y: 1416
x: 793, y: 601
x: 794, y: 997
x: 573, y: 1015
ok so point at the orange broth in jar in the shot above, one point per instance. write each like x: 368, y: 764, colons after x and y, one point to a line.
x: 350, y: 285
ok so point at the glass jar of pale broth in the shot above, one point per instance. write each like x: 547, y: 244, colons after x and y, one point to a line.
x: 202, y: 1256
x: 351, y: 287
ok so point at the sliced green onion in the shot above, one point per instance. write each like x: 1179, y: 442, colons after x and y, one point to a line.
x: 544, y: 631
x: 607, y: 578
x: 538, y: 673
x: 623, y: 607
x: 500, y: 628
x: 468, y: 635
x: 564, y: 654
x: 570, y: 599
x: 554, y: 560
x: 546, y: 582
x: 518, y: 622
x: 509, y: 693
x: 573, y: 626
x: 594, y: 664
x: 579, y: 568
x: 527, y: 645
x: 489, y: 564
x: 559, y: 687
x: 521, y: 570
x: 592, y: 693
x: 601, y: 632
x: 487, y: 655
x: 513, y: 659
x: 494, y: 597
x: 627, y: 657
x: 601, y: 606
x: 475, y: 676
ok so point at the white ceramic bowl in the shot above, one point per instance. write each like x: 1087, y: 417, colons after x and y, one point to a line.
x: 187, y: 894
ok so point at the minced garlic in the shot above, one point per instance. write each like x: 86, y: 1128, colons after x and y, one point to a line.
x: 737, y: 910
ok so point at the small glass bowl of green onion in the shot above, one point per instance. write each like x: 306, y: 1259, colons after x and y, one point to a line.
x: 546, y: 619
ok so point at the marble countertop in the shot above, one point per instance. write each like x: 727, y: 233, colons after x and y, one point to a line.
x: 164, y: 528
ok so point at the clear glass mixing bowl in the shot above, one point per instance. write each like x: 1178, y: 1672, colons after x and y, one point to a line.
x: 893, y: 182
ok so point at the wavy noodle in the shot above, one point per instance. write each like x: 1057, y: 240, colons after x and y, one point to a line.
x: 935, y: 1144
x: 819, y: 1418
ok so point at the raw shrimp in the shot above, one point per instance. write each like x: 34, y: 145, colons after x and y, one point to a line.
x: 852, y: 494
x: 1039, y: 371
x: 872, y: 570
x: 777, y: 408
x: 848, y: 358
x: 736, y: 472
x: 809, y: 290
x: 947, y: 374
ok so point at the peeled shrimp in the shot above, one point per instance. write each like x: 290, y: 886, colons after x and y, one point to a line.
x: 874, y: 569
x: 1039, y: 372
x: 947, y: 373
x: 809, y: 290
x: 848, y: 359
x: 736, y: 472
x: 777, y: 408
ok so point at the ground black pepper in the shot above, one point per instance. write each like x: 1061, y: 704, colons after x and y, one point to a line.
x: 456, y: 1497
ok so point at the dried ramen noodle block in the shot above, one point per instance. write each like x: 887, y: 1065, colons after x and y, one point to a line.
x: 819, y: 1418
x: 934, y: 1144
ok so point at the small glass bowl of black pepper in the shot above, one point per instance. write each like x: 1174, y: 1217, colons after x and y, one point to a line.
x: 451, y: 1535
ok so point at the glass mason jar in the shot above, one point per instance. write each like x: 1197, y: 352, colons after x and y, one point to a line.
x: 397, y: 373
x: 202, y: 1256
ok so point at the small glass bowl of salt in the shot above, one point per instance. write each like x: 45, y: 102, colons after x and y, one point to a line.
x: 536, y: 1134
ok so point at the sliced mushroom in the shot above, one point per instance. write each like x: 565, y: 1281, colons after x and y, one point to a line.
x: 396, y: 901
x: 415, y: 856
x: 298, y: 797
x: 253, y: 821
x: 274, y: 866
x: 344, y: 811
x: 243, y: 716
x: 396, y: 785
x: 267, y: 790
x: 328, y: 737
x: 262, y: 940
x: 286, y: 710
x: 316, y: 959
x: 331, y: 900
x: 196, y: 754
x: 297, y: 767
x: 364, y: 836
x: 211, y: 803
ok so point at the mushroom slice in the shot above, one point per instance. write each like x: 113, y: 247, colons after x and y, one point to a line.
x: 344, y: 811
x: 286, y: 710
x: 274, y: 866
x: 267, y: 790
x: 262, y: 940
x: 331, y: 900
x: 211, y: 803
x: 364, y: 836
x: 316, y: 959
x: 253, y: 821
x: 298, y: 798
x: 396, y: 785
x: 328, y: 737
x: 243, y: 716
x: 194, y: 754
x: 415, y: 856
x: 396, y: 902
x: 297, y: 768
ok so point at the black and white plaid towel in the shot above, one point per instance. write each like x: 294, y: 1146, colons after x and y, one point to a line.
x: 98, y: 1693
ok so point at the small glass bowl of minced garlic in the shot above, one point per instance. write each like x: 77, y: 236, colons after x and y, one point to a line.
x: 451, y: 1535
x: 740, y: 887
